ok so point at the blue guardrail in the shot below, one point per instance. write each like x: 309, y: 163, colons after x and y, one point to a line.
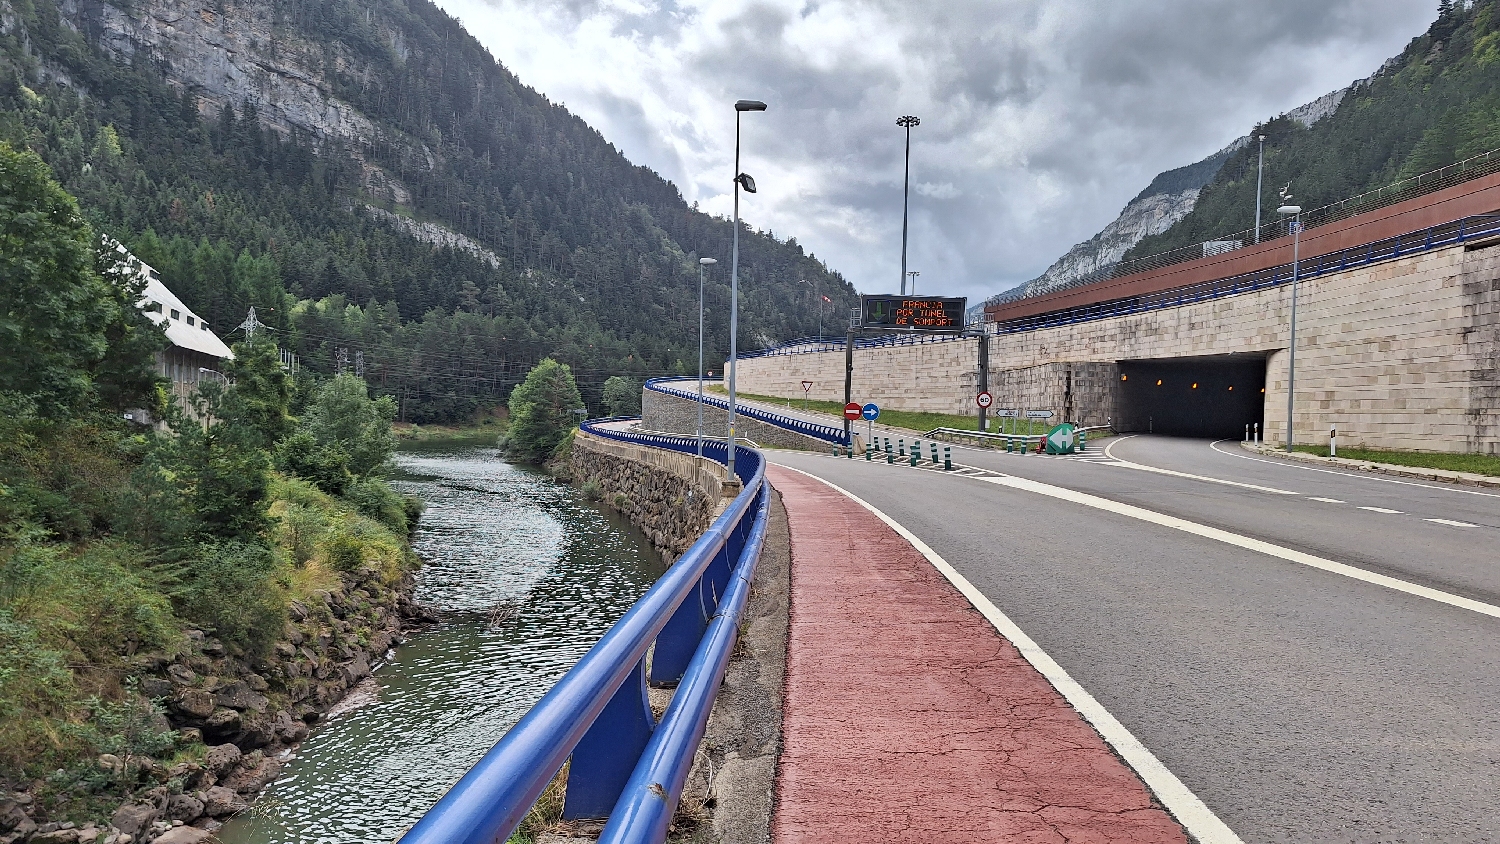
x: 625, y: 765
x: 826, y: 433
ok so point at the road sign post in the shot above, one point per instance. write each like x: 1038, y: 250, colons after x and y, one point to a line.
x: 806, y: 394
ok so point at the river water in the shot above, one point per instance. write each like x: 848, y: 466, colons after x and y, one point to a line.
x: 492, y: 533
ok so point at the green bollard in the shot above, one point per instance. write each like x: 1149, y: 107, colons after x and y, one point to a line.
x: 947, y: 458
x: 1083, y: 440
x: 901, y: 448
x: 934, y: 454
x: 890, y: 456
x: 869, y: 449
x: 849, y: 449
x: 916, y: 452
x: 1010, y: 445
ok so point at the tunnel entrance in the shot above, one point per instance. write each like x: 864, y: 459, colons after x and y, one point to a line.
x: 1193, y: 397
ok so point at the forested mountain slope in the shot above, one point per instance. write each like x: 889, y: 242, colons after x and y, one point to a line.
x: 369, y: 178
x: 1435, y: 104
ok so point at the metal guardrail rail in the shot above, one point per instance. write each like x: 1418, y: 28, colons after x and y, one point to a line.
x: 1448, y: 234
x: 625, y: 765
x: 826, y: 433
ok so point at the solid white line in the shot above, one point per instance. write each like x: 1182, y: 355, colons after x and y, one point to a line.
x: 1363, y: 477
x: 1197, y: 818
x: 1325, y: 500
x: 1225, y: 536
x: 1382, y: 510
x: 1143, y: 467
x: 1450, y: 523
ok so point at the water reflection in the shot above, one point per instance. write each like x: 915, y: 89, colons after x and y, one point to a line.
x: 492, y: 532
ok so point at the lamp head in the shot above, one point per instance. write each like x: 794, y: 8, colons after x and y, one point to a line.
x: 746, y: 182
x: 1289, y: 209
x: 908, y: 121
x: 706, y: 261
x: 749, y: 105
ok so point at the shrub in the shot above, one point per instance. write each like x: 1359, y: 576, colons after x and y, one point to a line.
x: 541, y: 412
x: 231, y: 586
x: 373, y: 498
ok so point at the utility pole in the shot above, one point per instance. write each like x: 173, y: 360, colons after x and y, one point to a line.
x: 1295, y: 211
x: 906, y: 122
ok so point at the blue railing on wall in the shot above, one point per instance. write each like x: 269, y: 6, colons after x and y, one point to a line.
x: 1437, y: 237
x: 625, y: 765
x: 678, y: 387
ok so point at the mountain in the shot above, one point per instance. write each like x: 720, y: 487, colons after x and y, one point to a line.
x: 383, y: 191
x: 1435, y: 105
x: 1176, y: 194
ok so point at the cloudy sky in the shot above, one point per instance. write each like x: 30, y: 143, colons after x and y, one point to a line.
x: 1040, y: 118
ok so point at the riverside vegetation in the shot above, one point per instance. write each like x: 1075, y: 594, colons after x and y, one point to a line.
x: 177, y: 606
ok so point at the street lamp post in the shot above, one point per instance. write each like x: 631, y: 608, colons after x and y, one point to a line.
x: 912, y: 274
x: 1291, y: 371
x: 906, y: 122
x: 702, y: 262
x: 1260, y: 170
x: 741, y: 180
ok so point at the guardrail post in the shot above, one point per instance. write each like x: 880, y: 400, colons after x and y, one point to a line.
x: 947, y: 458
x: 678, y: 640
x: 607, y: 753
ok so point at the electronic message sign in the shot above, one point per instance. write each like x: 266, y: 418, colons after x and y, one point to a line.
x: 911, y: 313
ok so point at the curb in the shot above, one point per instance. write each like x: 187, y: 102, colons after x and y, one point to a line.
x: 1445, y: 475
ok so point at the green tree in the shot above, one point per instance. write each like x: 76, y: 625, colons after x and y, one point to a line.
x: 622, y: 396
x: 53, y: 305
x: 541, y: 411
x: 220, y: 466
x: 262, y: 391
x: 343, y: 416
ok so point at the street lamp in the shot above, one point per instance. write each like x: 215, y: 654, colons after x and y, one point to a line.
x: 1295, y: 211
x: 741, y: 180
x: 702, y: 262
x: 1260, y: 170
x: 906, y: 122
x: 912, y: 274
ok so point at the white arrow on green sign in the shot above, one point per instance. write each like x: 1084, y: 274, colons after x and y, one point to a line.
x: 1062, y: 439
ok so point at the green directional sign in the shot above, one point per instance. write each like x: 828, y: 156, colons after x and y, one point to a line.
x: 1062, y: 439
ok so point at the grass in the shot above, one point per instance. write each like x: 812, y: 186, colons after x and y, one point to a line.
x: 1479, y: 464
x: 912, y: 420
x: 486, y: 431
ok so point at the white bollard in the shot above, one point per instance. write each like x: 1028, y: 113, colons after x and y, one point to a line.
x: 1247, y: 432
x: 1256, y: 440
x: 1333, y: 446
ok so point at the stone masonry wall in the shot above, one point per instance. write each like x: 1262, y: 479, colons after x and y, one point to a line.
x: 1401, y: 354
x: 678, y: 415
x: 672, y: 497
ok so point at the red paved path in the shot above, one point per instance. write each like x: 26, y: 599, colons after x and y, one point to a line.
x: 909, y: 718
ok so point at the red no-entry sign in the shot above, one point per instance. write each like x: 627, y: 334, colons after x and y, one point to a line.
x: 852, y: 411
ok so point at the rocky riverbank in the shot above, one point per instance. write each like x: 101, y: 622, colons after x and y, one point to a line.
x: 236, y: 720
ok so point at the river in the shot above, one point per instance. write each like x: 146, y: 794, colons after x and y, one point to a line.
x: 492, y: 533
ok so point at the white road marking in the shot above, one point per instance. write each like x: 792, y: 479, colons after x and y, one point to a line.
x: 1382, y: 510
x: 1325, y: 500
x: 1450, y: 523
x: 1143, y: 467
x: 1261, y: 546
x: 1363, y: 477
x: 1191, y: 812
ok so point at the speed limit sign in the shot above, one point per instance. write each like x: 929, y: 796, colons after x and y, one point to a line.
x: 984, y: 400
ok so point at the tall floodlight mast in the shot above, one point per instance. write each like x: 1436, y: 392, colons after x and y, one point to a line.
x: 906, y: 123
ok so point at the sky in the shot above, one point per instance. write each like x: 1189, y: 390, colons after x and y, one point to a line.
x: 1040, y: 119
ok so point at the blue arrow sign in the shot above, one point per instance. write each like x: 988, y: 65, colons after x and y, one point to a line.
x: 870, y: 411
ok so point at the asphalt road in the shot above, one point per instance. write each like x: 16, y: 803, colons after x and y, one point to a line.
x: 1299, y: 704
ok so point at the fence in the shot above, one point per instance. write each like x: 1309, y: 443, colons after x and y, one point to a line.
x: 1436, y: 237
x: 625, y: 765
x: 1474, y: 167
x: 826, y: 433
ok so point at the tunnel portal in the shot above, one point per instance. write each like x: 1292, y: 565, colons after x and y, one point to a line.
x: 1192, y: 397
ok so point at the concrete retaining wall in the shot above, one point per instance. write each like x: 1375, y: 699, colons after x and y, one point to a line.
x: 1404, y: 354
x: 678, y: 415
x: 672, y: 497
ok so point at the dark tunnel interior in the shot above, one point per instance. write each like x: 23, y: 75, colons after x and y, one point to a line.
x: 1192, y: 397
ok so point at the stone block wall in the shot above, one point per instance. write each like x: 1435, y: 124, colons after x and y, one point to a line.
x: 672, y: 497
x: 1403, y: 354
x: 678, y: 415
x: 938, y: 377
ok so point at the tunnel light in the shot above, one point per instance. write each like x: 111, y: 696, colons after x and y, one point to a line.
x: 1158, y: 382
x: 1195, y: 385
x: 1124, y: 377
x: 1231, y: 388
x: 1262, y: 389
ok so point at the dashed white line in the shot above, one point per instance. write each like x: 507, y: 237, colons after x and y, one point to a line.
x: 1450, y: 523
x: 1325, y: 500
x: 1386, y: 510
